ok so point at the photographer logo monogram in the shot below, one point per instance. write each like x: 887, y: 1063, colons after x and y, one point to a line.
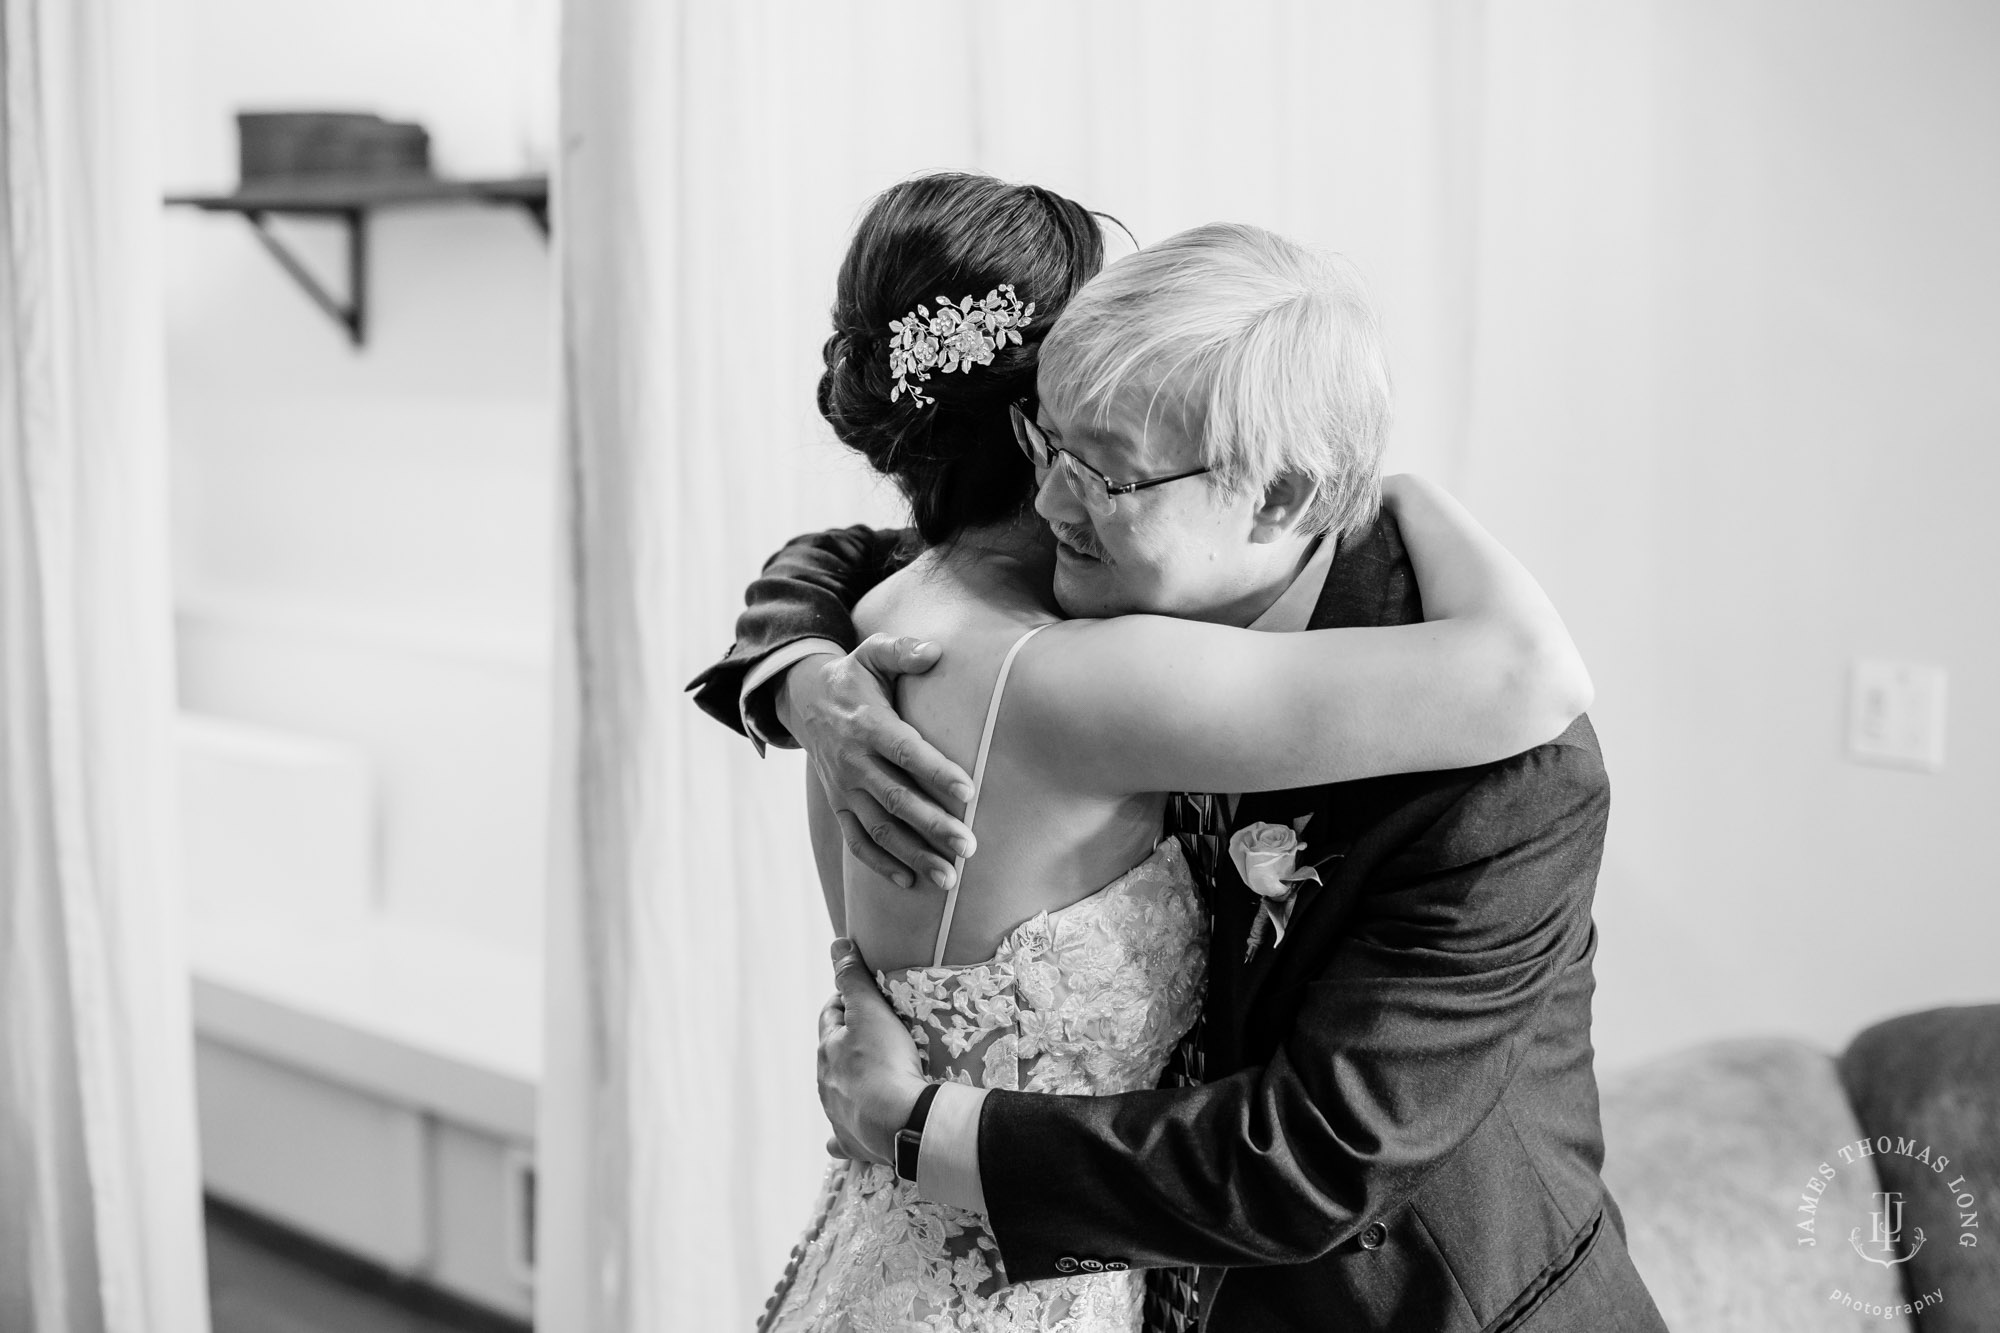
x: 1894, y: 1230
x: 1888, y: 1231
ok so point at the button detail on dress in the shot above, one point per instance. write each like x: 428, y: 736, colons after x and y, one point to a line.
x: 1091, y: 1265
x: 1066, y: 1264
x: 1115, y: 1266
x: 1373, y: 1235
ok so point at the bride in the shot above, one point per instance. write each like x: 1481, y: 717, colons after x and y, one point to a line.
x: 1068, y: 955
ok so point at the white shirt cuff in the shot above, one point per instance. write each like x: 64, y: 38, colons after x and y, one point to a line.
x: 948, y: 1160
x: 768, y: 670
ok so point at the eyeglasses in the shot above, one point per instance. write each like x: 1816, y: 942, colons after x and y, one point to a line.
x: 1098, y: 492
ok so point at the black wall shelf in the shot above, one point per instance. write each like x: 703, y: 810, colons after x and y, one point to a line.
x: 351, y: 201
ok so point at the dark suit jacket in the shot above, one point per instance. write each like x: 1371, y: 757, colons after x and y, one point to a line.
x: 1401, y: 1129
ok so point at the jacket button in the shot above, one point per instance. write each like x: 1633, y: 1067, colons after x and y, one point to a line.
x: 1116, y: 1266
x: 1373, y: 1236
x: 1066, y: 1264
x: 1091, y: 1265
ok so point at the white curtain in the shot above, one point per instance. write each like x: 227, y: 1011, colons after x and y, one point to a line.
x: 713, y: 161
x: 100, y: 1204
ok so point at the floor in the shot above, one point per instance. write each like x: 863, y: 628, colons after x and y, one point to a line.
x: 262, y: 1279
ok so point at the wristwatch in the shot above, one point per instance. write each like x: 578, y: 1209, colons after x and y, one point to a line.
x: 910, y: 1138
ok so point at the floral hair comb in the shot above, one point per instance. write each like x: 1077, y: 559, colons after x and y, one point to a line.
x: 957, y: 337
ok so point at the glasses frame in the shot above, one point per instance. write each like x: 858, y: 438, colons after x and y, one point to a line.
x: 1081, y: 476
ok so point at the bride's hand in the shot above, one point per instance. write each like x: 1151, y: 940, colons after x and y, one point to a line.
x: 1462, y: 571
x: 887, y: 785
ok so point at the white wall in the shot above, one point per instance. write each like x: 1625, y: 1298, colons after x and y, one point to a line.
x: 1735, y: 401
x: 364, y: 536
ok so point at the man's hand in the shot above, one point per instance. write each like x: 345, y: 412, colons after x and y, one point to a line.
x: 869, y: 1070
x: 887, y: 785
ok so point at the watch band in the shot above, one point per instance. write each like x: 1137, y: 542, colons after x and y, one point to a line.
x: 910, y: 1138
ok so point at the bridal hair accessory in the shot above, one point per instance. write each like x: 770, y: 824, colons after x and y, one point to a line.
x: 957, y: 337
x: 1267, y: 857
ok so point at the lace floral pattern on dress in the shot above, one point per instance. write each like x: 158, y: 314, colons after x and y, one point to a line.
x: 1089, y: 999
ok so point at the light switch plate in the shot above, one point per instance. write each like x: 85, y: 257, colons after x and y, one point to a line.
x: 1896, y: 715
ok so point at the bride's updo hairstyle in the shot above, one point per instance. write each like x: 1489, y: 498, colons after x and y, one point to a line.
x: 950, y: 235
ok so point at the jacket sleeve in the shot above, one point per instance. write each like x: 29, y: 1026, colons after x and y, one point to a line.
x: 1403, y: 1042
x: 806, y: 591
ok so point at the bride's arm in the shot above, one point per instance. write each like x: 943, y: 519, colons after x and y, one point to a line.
x: 1147, y: 703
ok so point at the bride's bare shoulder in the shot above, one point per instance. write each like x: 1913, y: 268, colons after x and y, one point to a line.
x: 894, y: 597
x: 943, y: 601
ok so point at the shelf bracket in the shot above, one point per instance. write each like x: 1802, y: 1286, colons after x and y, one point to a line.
x: 538, y: 212
x: 351, y: 314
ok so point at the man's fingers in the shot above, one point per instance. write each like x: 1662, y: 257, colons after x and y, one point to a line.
x: 832, y: 1017
x: 880, y: 829
x: 867, y: 853
x: 850, y: 974
x: 940, y: 784
x: 905, y: 656
x: 856, y: 983
x: 944, y: 835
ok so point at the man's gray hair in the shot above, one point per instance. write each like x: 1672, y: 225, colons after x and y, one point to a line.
x: 1268, y: 351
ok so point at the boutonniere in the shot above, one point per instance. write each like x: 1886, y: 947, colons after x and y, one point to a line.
x: 1267, y: 856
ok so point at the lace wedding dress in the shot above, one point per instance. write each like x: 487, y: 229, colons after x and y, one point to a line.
x: 1088, y: 999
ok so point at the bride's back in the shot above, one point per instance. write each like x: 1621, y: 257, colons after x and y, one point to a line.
x: 1042, y: 844
x: 947, y: 289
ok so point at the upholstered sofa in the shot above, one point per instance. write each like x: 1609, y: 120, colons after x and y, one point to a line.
x: 1720, y: 1155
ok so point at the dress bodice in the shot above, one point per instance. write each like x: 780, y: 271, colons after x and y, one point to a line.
x: 1088, y: 998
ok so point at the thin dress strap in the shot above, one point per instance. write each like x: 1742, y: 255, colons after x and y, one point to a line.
x: 978, y: 781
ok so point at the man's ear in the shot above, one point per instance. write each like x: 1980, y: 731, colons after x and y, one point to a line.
x: 1286, y: 501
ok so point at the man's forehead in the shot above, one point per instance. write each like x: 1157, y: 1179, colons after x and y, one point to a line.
x: 1103, y: 437
x: 1136, y: 423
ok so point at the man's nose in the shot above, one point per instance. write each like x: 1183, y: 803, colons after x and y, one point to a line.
x: 1055, y: 499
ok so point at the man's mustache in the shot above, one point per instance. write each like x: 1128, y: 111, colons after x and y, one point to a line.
x: 1079, y: 539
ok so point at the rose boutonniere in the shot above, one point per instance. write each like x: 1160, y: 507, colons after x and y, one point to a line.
x: 1267, y: 857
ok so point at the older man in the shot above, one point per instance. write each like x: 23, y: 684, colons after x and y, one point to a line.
x: 1391, y: 1122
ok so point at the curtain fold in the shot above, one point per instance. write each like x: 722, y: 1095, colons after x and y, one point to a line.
x: 100, y: 1204
x: 713, y: 161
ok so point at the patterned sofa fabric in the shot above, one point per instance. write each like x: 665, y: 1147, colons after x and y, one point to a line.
x: 1712, y: 1155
